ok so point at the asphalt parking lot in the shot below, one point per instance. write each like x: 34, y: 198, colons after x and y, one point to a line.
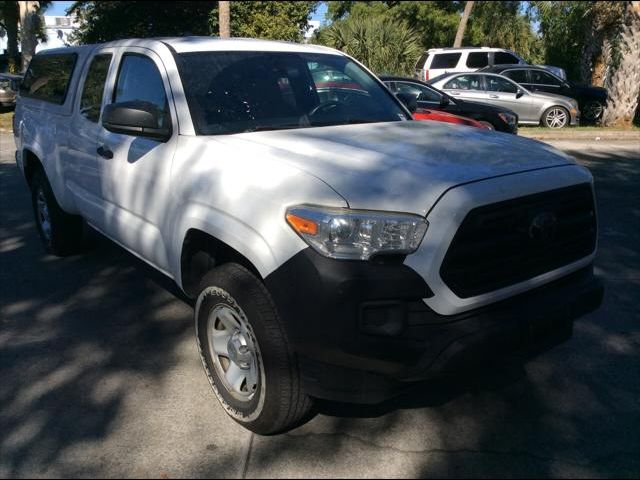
x: 99, y: 374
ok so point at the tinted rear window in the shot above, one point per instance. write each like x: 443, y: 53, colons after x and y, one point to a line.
x: 445, y: 60
x: 518, y: 76
x: 477, y: 59
x: 48, y: 76
x: 504, y: 58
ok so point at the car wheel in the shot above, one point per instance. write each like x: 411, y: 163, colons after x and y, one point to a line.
x: 556, y: 117
x: 60, y: 232
x: 245, y: 352
x: 489, y: 125
x: 592, y: 111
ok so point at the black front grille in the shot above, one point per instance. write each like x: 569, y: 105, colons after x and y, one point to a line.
x: 509, y: 242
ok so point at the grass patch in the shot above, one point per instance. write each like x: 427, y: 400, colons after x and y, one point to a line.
x: 5, y: 119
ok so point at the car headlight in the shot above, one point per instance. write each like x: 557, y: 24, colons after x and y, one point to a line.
x: 348, y: 234
x: 508, y: 118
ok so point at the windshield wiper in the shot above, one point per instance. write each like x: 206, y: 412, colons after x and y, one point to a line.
x: 264, y: 128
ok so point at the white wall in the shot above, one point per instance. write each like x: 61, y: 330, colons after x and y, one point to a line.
x: 58, y: 30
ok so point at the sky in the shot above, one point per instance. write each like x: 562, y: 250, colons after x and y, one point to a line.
x: 60, y: 8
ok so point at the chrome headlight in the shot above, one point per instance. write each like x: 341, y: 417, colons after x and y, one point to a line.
x: 348, y: 234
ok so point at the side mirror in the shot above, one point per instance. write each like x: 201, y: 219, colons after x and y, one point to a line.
x: 444, y: 101
x: 410, y: 101
x: 519, y: 93
x: 142, y: 119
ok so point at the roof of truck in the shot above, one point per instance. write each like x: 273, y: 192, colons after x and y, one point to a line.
x: 203, y: 44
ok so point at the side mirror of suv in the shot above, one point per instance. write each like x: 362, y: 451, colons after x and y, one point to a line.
x: 142, y: 119
x: 410, y: 101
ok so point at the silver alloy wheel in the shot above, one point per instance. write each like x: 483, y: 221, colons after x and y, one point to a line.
x: 593, y: 110
x: 556, y: 118
x: 43, y: 215
x: 232, y: 346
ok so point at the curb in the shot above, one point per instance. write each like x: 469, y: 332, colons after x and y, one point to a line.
x: 585, y: 136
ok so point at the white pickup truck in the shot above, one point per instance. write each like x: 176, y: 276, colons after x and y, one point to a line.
x: 334, y: 248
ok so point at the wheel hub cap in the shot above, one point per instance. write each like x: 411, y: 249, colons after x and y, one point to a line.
x: 43, y: 215
x: 239, y: 352
x: 233, y: 351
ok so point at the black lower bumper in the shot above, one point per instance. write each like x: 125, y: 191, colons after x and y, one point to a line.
x: 362, y: 331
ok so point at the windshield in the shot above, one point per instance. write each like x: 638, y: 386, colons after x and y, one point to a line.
x: 232, y: 92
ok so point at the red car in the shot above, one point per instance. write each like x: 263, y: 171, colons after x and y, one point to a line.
x: 439, y: 116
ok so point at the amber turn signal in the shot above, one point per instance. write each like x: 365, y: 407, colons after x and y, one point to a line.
x: 302, y: 225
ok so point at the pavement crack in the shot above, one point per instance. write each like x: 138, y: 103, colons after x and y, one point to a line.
x: 246, y: 457
x: 446, y: 451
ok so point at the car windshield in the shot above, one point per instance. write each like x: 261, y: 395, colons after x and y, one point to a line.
x: 232, y: 92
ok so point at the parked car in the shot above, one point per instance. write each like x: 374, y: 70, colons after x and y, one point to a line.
x: 428, y: 97
x: 532, y: 108
x: 334, y: 249
x: 591, y: 100
x: 9, y: 86
x: 440, y: 61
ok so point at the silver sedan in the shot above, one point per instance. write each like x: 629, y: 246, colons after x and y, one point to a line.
x: 533, y: 108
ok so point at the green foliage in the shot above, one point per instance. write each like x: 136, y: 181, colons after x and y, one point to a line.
x: 384, y: 45
x: 267, y: 19
x: 101, y: 21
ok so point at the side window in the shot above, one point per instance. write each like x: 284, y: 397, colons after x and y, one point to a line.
x: 422, y: 93
x: 543, y: 78
x: 497, y: 84
x: 504, y: 58
x: 445, y: 60
x: 421, y: 61
x: 518, y: 76
x: 477, y: 59
x: 91, y: 100
x: 48, y: 77
x: 464, y: 82
x: 139, y: 80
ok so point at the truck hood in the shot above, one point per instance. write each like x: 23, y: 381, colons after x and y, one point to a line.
x: 401, y: 166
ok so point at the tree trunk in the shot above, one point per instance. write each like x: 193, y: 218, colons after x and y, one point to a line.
x: 10, y: 10
x: 625, y: 82
x: 224, y: 19
x: 28, y: 40
x: 462, y: 26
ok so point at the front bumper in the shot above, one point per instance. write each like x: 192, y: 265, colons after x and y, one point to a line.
x: 362, y: 331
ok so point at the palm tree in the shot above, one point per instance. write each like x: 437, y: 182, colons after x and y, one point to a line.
x: 224, y: 18
x: 624, y: 86
x: 463, y: 24
x: 384, y: 45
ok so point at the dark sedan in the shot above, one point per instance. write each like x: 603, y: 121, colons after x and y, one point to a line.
x: 428, y: 97
x: 591, y: 99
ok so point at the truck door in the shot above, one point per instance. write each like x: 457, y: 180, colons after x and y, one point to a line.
x: 84, y: 170
x: 137, y: 168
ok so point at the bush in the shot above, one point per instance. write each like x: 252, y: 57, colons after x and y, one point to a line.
x: 384, y: 45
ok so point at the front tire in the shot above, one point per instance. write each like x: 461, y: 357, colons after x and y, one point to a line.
x: 245, y: 352
x: 556, y: 117
x: 60, y: 232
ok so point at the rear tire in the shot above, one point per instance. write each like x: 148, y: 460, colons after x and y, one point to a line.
x: 245, y: 352
x: 60, y: 232
x: 556, y: 117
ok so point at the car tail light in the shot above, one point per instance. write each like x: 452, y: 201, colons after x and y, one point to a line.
x: 426, y: 75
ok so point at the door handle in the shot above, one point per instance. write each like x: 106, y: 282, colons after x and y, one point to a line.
x: 104, y: 152
x: 494, y: 96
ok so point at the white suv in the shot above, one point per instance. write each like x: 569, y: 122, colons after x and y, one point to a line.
x: 438, y: 61
x: 334, y: 248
